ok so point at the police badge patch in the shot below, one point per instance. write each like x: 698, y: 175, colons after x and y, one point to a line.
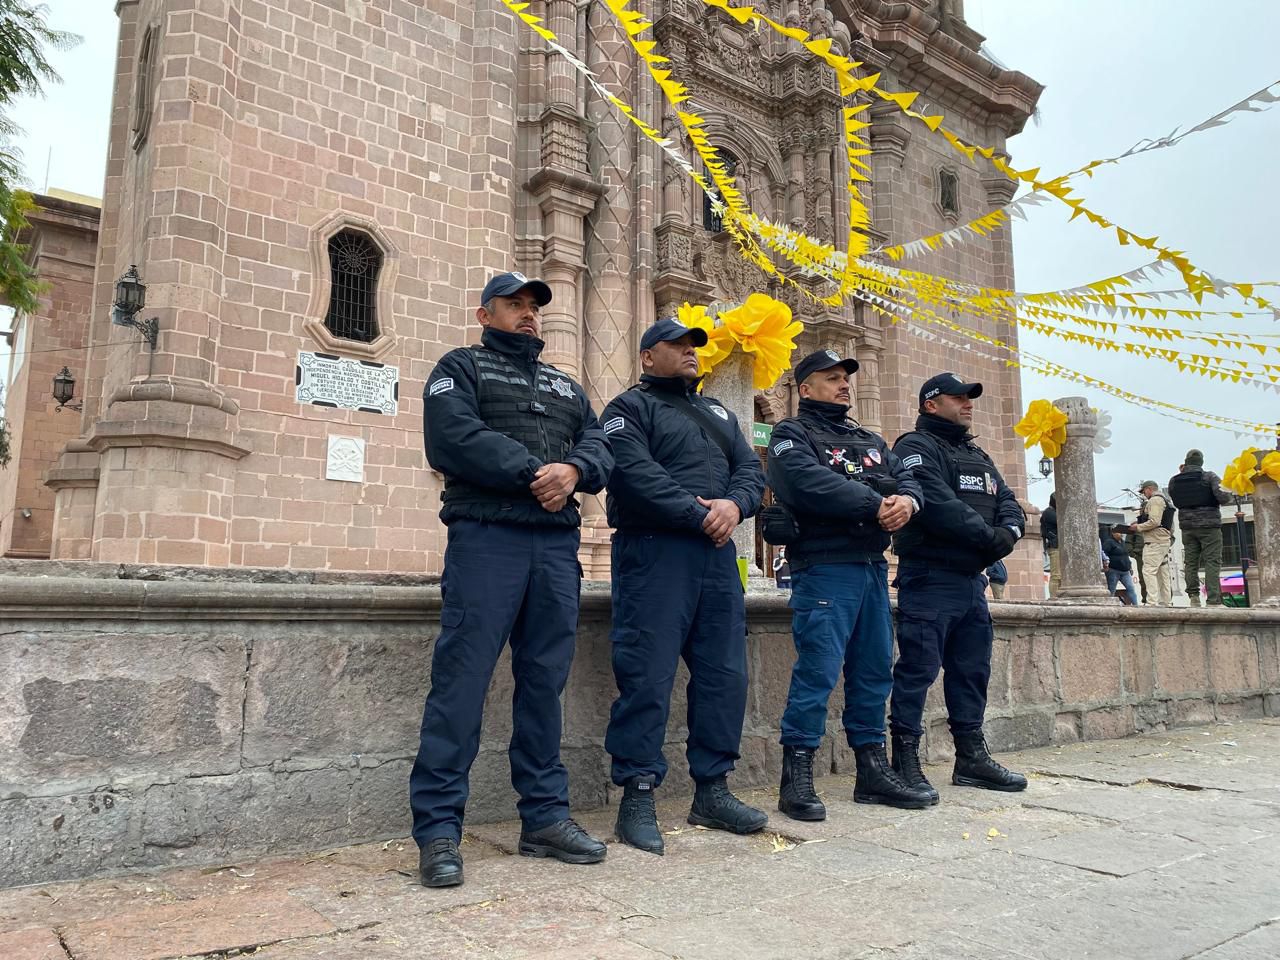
x: 562, y: 387
x: 720, y: 412
x: 874, y: 454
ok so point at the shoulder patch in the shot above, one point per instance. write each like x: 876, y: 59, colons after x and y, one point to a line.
x: 720, y: 411
x: 614, y: 425
x: 443, y: 385
x: 782, y: 447
x: 912, y: 461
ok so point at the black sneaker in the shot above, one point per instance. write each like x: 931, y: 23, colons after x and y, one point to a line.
x: 796, y: 796
x: 715, y: 807
x: 565, y: 840
x: 440, y: 863
x: 637, y: 823
x: 906, y: 763
x: 975, y: 766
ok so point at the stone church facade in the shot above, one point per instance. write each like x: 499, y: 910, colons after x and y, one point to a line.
x: 262, y: 155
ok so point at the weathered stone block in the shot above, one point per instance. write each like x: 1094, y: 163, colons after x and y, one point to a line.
x: 1234, y: 664
x: 60, y: 838
x: 317, y: 693
x: 1181, y: 664
x: 1153, y: 714
x: 1020, y: 731
x: 1193, y: 710
x: 1090, y: 666
x: 1109, y: 723
x: 1269, y: 660
x: 1139, y: 665
x: 1032, y: 671
x: 998, y: 690
x: 96, y: 704
x: 1066, y: 728
x: 1245, y: 708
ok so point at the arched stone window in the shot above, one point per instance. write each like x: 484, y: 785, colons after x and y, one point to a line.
x: 354, y: 264
x: 144, y: 81
x: 710, y: 219
x: 949, y: 193
x: 354, y: 269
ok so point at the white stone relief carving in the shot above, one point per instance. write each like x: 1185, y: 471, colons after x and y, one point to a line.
x: 346, y: 459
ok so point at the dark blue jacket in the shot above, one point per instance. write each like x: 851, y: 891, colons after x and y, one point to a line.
x: 664, y: 460
x: 1117, y: 556
x: 948, y: 532
x: 460, y: 444
x: 836, y: 511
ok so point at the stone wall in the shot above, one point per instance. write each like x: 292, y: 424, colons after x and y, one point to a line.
x: 165, y: 716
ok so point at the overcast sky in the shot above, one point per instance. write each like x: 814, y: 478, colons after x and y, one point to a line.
x: 1114, y: 72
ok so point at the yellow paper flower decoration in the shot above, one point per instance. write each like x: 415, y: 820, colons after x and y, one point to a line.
x: 1271, y: 465
x: 719, y: 341
x: 1044, y: 424
x: 1238, y: 477
x: 763, y: 326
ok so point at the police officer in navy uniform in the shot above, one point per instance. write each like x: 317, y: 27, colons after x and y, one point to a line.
x: 847, y: 493
x: 514, y: 438
x: 685, y: 478
x: 969, y: 520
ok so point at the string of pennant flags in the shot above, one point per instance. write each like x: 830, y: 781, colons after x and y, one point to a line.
x: 919, y: 293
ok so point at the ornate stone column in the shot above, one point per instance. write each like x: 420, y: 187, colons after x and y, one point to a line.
x: 1078, y: 506
x: 731, y: 383
x: 1266, y: 534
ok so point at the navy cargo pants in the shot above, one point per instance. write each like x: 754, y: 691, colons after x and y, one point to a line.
x: 500, y: 581
x: 841, y: 622
x: 676, y: 595
x: 943, y: 622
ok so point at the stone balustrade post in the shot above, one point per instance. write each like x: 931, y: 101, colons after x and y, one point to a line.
x: 731, y: 383
x: 1078, y: 544
x: 1265, y: 591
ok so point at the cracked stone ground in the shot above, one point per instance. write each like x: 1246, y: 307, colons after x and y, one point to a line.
x: 1160, y: 846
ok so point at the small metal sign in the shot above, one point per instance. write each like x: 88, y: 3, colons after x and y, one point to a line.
x: 760, y: 434
x: 324, y: 380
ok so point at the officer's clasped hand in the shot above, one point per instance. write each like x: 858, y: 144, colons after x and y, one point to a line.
x: 553, y: 484
x: 894, y: 513
x: 1003, y: 543
x: 723, y: 517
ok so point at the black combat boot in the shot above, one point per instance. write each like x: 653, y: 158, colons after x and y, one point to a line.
x: 715, y: 807
x: 796, y: 797
x: 440, y: 863
x: 564, y: 840
x: 877, y: 782
x: 906, y: 762
x: 976, y: 768
x: 638, y: 818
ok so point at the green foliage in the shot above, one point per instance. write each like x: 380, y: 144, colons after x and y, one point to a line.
x: 4, y: 433
x: 25, y: 37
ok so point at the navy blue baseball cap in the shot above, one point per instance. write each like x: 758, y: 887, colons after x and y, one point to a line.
x: 949, y: 383
x: 669, y: 328
x: 505, y: 284
x: 822, y: 360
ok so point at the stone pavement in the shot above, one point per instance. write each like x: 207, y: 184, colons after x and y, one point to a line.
x: 1160, y: 846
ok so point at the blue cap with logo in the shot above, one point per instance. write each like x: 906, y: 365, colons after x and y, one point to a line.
x: 949, y: 383
x: 669, y: 328
x: 822, y: 360
x: 505, y: 284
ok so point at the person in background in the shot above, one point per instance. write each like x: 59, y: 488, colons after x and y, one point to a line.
x: 1198, y: 494
x: 997, y: 577
x: 1155, y: 523
x: 1119, y: 565
x: 782, y: 570
x: 1049, y: 535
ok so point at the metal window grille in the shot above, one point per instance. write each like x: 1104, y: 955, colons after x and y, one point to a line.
x: 710, y: 220
x: 949, y: 192
x: 354, y: 262
x: 1231, y: 544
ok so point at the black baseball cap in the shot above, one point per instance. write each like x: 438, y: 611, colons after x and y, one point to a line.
x: 822, y: 360
x: 505, y: 284
x: 669, y: 328
x: 949, y: 383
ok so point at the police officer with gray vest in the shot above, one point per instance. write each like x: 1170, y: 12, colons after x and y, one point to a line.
x: 969, y: 520
x: 514, y: 438
x: 685, y: 478
x: 845, y: 492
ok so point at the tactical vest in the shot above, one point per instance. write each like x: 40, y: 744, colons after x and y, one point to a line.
x: 854, y: 456
x: 1166, y: 518
x: 1190, y: 490
x: 544, y: 415
x: 975, y: 480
